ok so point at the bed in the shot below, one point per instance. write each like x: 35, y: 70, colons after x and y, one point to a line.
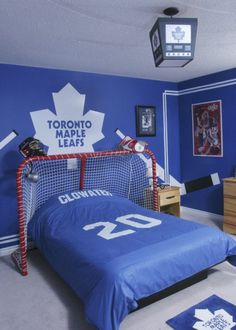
x: 107, y: 244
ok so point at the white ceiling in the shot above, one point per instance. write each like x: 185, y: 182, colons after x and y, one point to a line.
x: 112, y: 36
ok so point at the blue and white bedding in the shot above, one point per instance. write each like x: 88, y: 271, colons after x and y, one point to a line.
x: 113, y: 252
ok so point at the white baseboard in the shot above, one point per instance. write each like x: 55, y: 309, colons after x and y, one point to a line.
x: 5, y: 240
x: 8, y: 250
x: 203, y: 214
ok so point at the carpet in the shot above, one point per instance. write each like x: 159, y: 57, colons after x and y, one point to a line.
x: 213, y: 313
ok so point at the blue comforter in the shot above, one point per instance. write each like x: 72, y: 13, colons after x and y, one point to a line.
x: 113, y: 252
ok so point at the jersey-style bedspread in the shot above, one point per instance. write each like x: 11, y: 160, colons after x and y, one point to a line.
x: 113, y: 252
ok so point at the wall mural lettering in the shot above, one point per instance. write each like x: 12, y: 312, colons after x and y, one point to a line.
x: 69, y: 130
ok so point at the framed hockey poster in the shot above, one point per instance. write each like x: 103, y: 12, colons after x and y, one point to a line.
x: 207, y: 129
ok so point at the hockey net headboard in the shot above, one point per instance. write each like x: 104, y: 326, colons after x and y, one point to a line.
x: 123, y: 173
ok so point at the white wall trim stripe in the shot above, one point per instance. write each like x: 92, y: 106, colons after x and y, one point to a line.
x: 166, y: 93
x: 3, y: 238
x: 9, y: 241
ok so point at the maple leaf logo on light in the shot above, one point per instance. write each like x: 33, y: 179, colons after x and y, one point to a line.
x: 178, y: 34
x: 69, y: 130
x: 220, y: 320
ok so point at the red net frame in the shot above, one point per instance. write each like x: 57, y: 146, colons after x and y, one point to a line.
x: 130, y: 178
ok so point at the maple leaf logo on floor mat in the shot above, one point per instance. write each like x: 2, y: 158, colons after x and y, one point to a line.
x: 220, y: 320
x: 69, y: 130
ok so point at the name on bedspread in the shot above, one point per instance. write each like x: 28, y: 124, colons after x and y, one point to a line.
x: 63, y: 199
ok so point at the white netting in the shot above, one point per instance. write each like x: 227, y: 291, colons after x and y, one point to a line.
x: 123, y: 175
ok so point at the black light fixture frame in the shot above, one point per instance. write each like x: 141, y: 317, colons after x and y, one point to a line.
x: 176, y: 52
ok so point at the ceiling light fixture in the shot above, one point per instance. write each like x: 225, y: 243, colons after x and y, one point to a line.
x: 173, y: 39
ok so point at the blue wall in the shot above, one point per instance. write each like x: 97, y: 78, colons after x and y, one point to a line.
x: 24, y: 89
x: 192, y: 167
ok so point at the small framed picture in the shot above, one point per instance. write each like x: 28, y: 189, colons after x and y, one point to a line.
x: 145, y: 120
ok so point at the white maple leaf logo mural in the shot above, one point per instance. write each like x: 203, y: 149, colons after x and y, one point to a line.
x: 69, y: 130
x: 220, y: 320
